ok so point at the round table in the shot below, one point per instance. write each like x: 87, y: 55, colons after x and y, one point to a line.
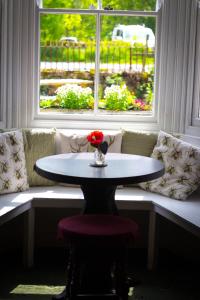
x: 99, y: 183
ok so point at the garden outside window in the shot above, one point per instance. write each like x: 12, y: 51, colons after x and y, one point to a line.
x: 97, y: 59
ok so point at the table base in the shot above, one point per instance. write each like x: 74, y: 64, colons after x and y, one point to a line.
x: 99, y: 199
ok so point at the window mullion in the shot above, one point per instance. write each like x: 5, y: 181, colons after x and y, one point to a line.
x: 98, y: 11
x: 97, y: 62
x: 99, y: 4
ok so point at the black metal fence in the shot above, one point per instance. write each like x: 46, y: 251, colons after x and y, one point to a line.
x: 114, y: 56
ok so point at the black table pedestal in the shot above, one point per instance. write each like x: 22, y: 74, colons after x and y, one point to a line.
x: 99, y: 199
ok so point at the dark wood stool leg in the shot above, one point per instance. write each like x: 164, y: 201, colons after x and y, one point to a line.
x: 76, y: 273
x: 121, y: 283
x: 65, y: 294
x: 97, y: 265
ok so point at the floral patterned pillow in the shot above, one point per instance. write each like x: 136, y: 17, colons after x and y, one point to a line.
x: 13, y: 177
x: 182, y: 168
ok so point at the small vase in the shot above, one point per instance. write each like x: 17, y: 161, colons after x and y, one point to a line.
x: 99, y: 158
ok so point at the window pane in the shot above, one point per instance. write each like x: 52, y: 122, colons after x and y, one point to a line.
x: 67, y: 63
x: 127, y: 64
x: 78, y: 4
x: 147, y: 5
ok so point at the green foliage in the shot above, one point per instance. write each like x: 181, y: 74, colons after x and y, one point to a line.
x: 117, y: 98
x: 130, y: 4
x: 149, y: 94
x: 48, y: 103
x: 116, y: 94
x: 145, y: 90
x: 115, y: 79
x: 115, y: 4
x: 45, y: 103
x: 67, y: 3
x: 53, y: 27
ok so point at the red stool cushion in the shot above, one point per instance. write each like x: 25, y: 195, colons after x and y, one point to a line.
x: 108, y: 227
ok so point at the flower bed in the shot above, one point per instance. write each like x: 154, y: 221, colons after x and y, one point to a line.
x: 117, y: 92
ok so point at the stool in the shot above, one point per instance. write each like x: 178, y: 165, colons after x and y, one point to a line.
x: 97, y: 255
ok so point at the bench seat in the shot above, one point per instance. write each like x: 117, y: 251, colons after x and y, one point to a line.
x: 184, y: 213
x: 132, y: 198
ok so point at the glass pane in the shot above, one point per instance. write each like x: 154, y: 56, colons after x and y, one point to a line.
x: 127, y: 64
x: 67, y: 63
x: 78, y: 4
x: 147, y: 5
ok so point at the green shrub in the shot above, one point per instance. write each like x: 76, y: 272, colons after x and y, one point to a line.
x: 117, y: 91
x: 75, y: 97
x: 117, y: 98
x: 49, y: 103
x: 115, y: 78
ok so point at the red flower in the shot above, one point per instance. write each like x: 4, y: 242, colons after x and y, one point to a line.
x: 95, y: 138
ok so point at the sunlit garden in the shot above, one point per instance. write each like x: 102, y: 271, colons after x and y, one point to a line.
x: 69, y: 61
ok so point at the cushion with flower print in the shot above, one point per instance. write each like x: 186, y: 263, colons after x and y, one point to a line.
x: 13, y: 176
x: 182, y: 168
x: 73, y: 141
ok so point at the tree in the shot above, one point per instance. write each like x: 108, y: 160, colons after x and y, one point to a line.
x: 53, y: 27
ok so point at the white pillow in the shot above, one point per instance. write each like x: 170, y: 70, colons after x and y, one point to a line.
x: 76, y: 141
x: 13, y: 176
x: 182, y: 168
x: 67, y: 141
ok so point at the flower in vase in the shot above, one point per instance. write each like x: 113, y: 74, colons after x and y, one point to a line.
x: 95, y: 138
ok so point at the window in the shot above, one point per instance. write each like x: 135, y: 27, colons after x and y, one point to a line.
x: 137, y: 5
x: 97, y: 59
x: 175, y: 27
x: 193, y: 87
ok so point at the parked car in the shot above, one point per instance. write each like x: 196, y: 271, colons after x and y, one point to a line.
x: 72, y: 39
x: 134, y: 34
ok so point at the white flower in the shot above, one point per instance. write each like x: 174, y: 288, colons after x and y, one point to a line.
x: 115, y: 90
x: 75, y: 89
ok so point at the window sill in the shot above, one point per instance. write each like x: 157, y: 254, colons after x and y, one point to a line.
x: 137, y: 122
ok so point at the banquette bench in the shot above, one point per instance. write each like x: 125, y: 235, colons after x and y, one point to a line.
x: 183, y: 213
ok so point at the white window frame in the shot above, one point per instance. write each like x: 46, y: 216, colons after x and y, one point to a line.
x: 138, y: 121
x: 196, y: 104
x: 3, y: 29
x: 193, y: 103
